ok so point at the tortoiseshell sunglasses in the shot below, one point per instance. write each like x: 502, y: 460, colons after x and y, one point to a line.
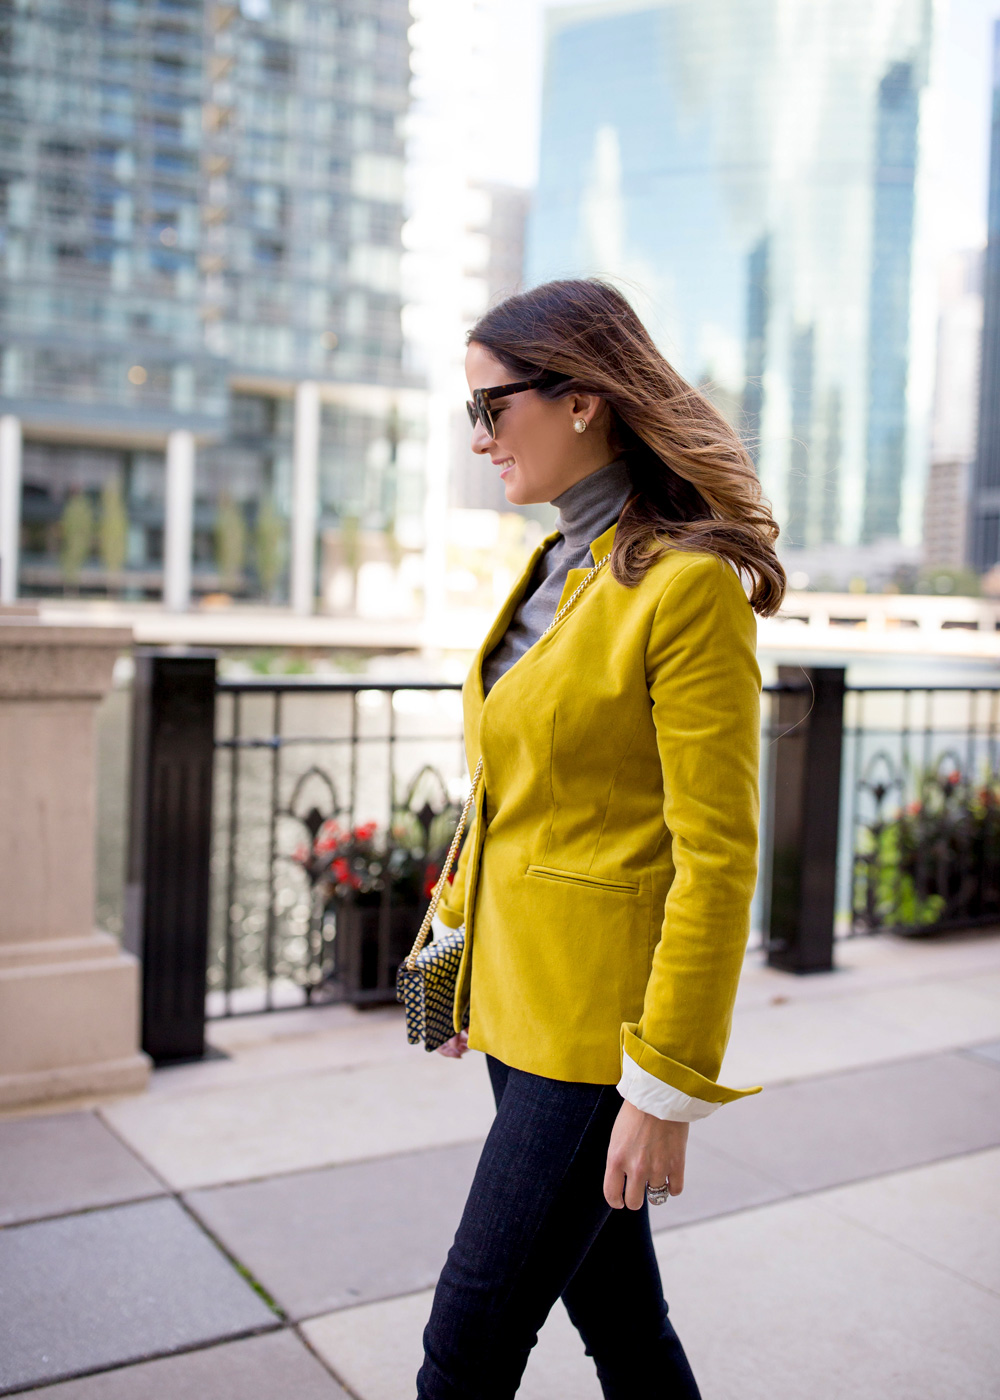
x: 479, y: 408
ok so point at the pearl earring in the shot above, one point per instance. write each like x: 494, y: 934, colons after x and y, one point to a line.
x: 580, y: 425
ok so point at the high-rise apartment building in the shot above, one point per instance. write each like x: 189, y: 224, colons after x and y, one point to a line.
x: 985, y: 522
x: 750, y: 171
x: 200, y: 288
x: 956, y: 395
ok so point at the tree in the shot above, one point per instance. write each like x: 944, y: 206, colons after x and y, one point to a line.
x: 270, y: 547
x: 393, y: 548
x: 350, y: 544
x: 76, y: 537
x: 230, y: 543
x: 112, y: 535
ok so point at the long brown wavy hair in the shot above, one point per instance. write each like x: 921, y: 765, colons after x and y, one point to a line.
x: 695, y: 487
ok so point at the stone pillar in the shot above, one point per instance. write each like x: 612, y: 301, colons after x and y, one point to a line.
x: 10, y: 505
x: 69, y: 997
x: 178, y: 533
x: 305, y: 497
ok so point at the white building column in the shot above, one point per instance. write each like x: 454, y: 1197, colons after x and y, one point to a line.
x: 178, y: 535
x: 10, y: 505
x: 305, y: 497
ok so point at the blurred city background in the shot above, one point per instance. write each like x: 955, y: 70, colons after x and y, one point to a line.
x: 242, y: 243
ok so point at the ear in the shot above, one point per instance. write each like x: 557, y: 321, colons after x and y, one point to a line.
x: 585, y: 406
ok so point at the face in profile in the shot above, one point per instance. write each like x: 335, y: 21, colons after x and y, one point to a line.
x: 535, y: 448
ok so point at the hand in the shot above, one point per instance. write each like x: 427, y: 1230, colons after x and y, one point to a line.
x: 456, y: 1047
x: 643, y: 1149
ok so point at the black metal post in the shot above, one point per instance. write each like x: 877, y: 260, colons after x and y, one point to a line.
x: 806, y: 818
x: 170, y: 837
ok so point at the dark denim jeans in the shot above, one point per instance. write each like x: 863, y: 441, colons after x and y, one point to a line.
x: 536, y: 1227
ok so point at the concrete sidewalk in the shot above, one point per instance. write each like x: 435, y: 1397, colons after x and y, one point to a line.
x: 270, y: 1224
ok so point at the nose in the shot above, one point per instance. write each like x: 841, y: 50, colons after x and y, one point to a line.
x: 481, y: 440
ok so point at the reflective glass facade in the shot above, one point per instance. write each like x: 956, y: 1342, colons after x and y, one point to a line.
x: 750, y: 170
x: 201, y: 206
x: 985, y: 531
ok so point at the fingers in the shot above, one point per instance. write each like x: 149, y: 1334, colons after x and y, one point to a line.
x: 635, y: 1192
x: 614, y: 1185
x: 456, y: 1047
x: 643, y: 1149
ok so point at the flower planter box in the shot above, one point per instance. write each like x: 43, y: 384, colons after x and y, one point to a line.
x: 368, y: 947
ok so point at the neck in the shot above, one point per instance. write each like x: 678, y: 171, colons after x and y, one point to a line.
x: 590, y: 506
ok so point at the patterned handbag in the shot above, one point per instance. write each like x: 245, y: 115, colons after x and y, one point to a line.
x: 426, y: 980
x: 428, y: 976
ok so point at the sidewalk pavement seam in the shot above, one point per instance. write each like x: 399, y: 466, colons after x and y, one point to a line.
x: 297, y: 1073
x: 83, y: 1210
x: 348, y: 1389
x: 894, y: 1239
x: 958, y: 1048
x: 240, y: 1268
x: 319, y: 1167
x: 834, y: 993
x: 41, y: 1386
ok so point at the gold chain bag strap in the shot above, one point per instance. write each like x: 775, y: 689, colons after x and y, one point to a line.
x: 427, y: 978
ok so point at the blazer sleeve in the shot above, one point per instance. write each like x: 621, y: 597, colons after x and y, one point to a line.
x: 704, y: 683
x: 451, y: 909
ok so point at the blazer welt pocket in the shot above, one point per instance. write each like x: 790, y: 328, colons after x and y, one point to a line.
x: 570, y: 877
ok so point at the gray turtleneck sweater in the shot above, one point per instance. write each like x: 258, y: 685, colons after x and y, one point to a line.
x: 586, y: 510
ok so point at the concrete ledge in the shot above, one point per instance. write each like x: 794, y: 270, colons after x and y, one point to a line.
x: 68, y: 1025
x: 126, y: 1076
x: 57, y: 950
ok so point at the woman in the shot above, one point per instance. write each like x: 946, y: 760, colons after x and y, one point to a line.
x: 605, y: 886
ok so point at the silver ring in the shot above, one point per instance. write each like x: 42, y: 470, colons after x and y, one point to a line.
x: 656, y: 1195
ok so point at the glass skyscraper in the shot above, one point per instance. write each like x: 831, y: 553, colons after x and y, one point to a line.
x: 202, y: 205
x: 750, y: 172
x: 985, y: 523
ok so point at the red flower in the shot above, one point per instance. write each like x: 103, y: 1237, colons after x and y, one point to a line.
x: 366, y: 831
x: 430, y: 877
x: 329, y: 837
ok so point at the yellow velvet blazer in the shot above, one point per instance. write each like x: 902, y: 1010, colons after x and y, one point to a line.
x: 605, y: 884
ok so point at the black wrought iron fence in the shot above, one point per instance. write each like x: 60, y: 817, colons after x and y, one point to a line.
x: 923, y: 808
x: 293, y: 828
x: 334, y: 801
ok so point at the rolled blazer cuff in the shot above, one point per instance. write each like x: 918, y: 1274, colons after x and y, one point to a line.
x: 454, y: 918
x: 678, y: 1076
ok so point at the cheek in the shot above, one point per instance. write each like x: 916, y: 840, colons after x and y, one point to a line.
x: 532, y: 437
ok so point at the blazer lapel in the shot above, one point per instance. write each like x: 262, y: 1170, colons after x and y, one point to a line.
x: 598, y: 549
x: 503, y: 619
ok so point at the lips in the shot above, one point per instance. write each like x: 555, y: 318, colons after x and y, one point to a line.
x: 506, y: 465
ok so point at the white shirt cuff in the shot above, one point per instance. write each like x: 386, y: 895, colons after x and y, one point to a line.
x: 645, y: 1091
x: 439, y: 929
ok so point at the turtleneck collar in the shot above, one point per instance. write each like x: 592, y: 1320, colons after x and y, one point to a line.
x: 592, y: 505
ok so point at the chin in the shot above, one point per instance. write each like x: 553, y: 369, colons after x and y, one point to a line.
x: 517, y: 495
x: 511, y: 492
